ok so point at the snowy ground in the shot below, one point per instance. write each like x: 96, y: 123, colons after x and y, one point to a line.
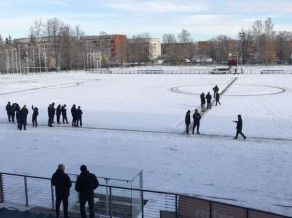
x: 254, y: 173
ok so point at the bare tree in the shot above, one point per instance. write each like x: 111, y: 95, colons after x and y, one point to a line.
x: 168, y: 38
x: 184, y: 36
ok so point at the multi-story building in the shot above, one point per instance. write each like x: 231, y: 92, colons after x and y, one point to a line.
x: 144, y: 49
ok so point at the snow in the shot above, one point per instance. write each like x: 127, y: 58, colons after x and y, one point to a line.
x: 253, y: 173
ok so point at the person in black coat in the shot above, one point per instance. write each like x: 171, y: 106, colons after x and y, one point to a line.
x: 86, y: 184
x: 73, y: 113
x: 35, y: 114
x: 22, y: 118
x: 53, y: 113
x: 64, y: 114
x: 196, y: 118
x: 50, y: 115
x: 239, y: 127
x: 218, y: 98
x: 9, y: 111
x: 15, y: 109
x: 216, y: 90
x: 78, y: 116
x: 188, y: 121
x: 203, y: 101
x: 209, y: 98
x: 58, y: 113
x: 62, y: 184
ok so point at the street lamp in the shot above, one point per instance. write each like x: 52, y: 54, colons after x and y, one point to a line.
x: 241, y: 36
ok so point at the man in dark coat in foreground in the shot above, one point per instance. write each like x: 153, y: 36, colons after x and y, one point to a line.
x: 22, y: 117
x: 239, y: 127
x: 62, y: 184
x: 86, y: 184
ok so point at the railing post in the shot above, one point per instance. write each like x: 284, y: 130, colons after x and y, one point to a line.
x: 211, y: 210
x: 53, y: 197
x: 142, y: 203
x: 110, y: 200
x: 26, y: 191
x: 176, y: 206
x: 1, y: 189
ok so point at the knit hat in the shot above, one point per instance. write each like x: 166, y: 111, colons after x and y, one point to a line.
x: 83, y: 168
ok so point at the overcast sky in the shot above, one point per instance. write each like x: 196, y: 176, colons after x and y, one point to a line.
x: 204, y: 19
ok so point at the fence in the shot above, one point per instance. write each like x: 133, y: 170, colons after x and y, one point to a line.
x: 114, y: 201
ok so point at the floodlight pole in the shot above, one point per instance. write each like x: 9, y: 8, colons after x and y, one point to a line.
x: 241, y: 35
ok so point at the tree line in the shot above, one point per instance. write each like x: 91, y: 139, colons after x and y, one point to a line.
x: 259, y: 44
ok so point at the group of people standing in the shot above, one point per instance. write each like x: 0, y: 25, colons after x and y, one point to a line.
x: 197, y: 116
x: 208, y: 97
x: 85, y: 185
x: 14, y: 111
x: 62, y: 110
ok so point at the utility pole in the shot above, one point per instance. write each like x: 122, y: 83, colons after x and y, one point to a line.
x: 242, y: 36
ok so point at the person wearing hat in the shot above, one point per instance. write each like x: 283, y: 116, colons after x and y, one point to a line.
x: 196, y: 118
x: 85, y: 185
x: 62, y: 184
x: 239, y: 127
x: 188, y: 121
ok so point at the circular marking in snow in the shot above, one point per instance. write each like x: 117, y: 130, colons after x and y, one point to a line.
x: 234, y: 90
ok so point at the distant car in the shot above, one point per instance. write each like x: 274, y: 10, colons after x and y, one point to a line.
x: 221, y: 70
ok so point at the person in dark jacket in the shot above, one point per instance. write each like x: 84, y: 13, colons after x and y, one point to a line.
x: 86, y: 184
x: 73, y: 113
x: 35, y: 114
x: 15, y: 109
x: 78, y: 116
x: 50, y: 115
x: 188, y: 121
x: 216, y: 90
x: 53, y: 113
x: 23, y: 118
x: 62, y: 184
x: 203, y: 101
x: 196, y: 118
x: 239, y: 127
x: 64, y: 114
x: 9, y: 110
x: 209, y: 98
x: 58, y: 113
x: 217, y: 98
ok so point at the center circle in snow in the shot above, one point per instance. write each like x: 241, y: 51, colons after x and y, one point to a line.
x: 233, y: 90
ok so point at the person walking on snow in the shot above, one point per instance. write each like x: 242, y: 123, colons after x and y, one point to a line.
x: 9, y: 111
x: 239, y: 127
x: 217, y: 98
x: 216, y: 90
x: 188, y: 121
x: 196, y: 118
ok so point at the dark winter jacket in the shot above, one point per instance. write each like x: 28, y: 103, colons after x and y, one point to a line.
x: 196, y: 117
x: 58, y: 111
x: 35, y: 112
x: 73, y: 111
x: 208, y: 97
x: 23, y: 114
x: 216, y: 89
x: 239, y: 124
x: 217, y: 96
x: 62, y: 183
x: 86, y: 183
x: 64, y: 110
x: 188, y: 118
x: 9, y: 109
x: 203, y: 100
x: 78, y: 113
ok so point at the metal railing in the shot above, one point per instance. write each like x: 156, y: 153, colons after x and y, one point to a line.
x: 122, y: 202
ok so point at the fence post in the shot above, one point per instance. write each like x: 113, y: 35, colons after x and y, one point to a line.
x: 1, y: 189
x: 211, y: 214
x: 26, y: 191
x: 142, y: 203
x: 176, y: 206
x: 110, y: 200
